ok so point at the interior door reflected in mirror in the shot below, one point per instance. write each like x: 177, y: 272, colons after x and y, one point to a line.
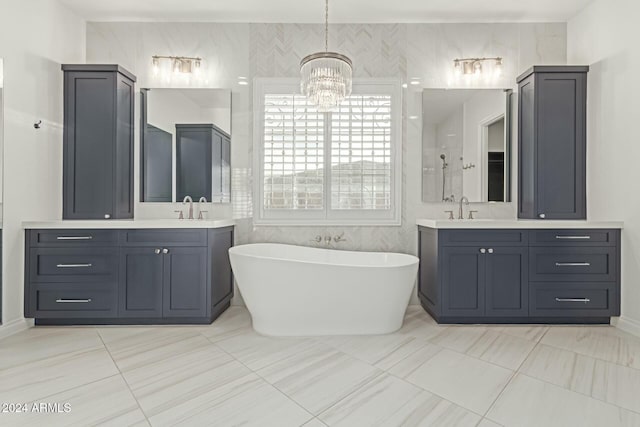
x: 466, y: 145
x: 185, y: 144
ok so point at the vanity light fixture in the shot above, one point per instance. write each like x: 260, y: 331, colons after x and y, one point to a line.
x: 326, y: 76
x: 473, y: 66
x: 179, y: 64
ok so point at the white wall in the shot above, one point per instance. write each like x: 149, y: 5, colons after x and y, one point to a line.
x: 605, y: 36
x: 35, y: 38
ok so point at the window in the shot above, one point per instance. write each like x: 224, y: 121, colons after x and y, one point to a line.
x: 341, y: 167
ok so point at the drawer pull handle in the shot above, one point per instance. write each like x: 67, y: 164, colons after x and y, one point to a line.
x: 573, y: 237
x: 74, y: 265
x: 74, y: 237
x: 573, y: 264
x: 73, y: 301
x: 584, y: 300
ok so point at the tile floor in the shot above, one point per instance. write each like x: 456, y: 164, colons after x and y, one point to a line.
x: 225, y: 374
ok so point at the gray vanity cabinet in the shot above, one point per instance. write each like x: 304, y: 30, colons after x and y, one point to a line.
x: 156, y: 173
x: 140, y: 284
x: 484, y: 281
x: 552, y: 142
x: 98, y: 142
x: 132, y: 276
x: 519, y: 276
x: 184, y: 282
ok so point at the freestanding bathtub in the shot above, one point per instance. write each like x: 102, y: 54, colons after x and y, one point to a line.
x: 300, y: 291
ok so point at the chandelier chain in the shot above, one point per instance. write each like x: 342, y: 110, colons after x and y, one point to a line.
x: 326, y: 26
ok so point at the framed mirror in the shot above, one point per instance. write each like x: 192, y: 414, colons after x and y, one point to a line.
x: 466, y: 145
x: 185, y: 145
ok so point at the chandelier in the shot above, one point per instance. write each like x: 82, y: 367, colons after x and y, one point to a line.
x: 326, y: 76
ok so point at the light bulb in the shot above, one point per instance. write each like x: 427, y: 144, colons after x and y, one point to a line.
x: 498, y: 68
x: 156, y: 66
x: 457, y: 69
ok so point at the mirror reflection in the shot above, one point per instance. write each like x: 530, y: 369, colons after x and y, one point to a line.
x: 185, y: 145
x: 466, y: 145
x: 1, y: 171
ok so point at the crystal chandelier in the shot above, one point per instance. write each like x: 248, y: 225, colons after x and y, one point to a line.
x: 326, y: 76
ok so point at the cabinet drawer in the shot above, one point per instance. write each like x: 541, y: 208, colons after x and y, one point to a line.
x: 592, y: 264
x: 73, y: 264
x: 71, y: 238
x: 573, y: 237
x: 164, y: 238
x: 572, y: 299
x: 63, y: 302
x: 483, y: 237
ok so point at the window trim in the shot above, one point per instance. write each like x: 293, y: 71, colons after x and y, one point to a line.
x: 327, y: 216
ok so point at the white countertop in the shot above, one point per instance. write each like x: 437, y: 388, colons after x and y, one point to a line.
x: 129, y: 223
x: 515, y: 223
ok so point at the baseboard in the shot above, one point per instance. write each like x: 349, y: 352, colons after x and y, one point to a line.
x: 631, y: 326
x: 14, y: 327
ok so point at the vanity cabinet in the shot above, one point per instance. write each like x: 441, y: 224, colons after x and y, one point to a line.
x: 519, y: 276
x: 98, y: 142
x: 552, y: 125
x: 131, y: 276
x: 202, y: 162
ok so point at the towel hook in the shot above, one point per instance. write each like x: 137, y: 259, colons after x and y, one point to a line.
x: 38, y: 124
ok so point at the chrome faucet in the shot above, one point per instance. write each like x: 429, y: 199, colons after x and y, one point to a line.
x: 200, y: 211
x: 464, y: 200
x: 190, y: 200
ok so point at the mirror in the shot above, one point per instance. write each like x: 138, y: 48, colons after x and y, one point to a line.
x: 466, y: 145
x: 1, y: 173
x: 185, y: 137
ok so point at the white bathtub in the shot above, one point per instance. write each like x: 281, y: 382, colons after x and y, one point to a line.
x: 299, y: 291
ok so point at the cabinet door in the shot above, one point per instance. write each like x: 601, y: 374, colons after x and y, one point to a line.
x: 89, y: 123
x: 221, y: 276
x: 463, y: 274
x: 185, y: 282
x: 506, y: 282
x: 561, y: 148
x: 216, y: 167
x: 226, y: 169
x: 140, y: 292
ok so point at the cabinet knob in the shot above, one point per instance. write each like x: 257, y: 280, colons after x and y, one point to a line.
x: 543, y: 216
x: 107, y: 216
x: 165, y: 251
x: 157, y: 251
x: 483, y: 250
x: 490, y: 251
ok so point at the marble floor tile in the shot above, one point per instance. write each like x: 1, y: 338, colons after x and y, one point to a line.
x: 104, y: 402
x: 530, y: 402
x: 245, y: 401
x: 235, y: 321
x: 257, y: 351
x: 382, y: 351
x: 37, y: 379
x: 501, y: 349
x: 314, y: 423
x: 488, y: 423
x: 389, y: 401
x: 40, y: 343
x: 319, y: 376
x: 413, y: 361
x: 459, y: 338
x: 602, y: 342
x: 461, y: 379
x: 529, y: 332
x: 597, y: 378
x: 145, y: 347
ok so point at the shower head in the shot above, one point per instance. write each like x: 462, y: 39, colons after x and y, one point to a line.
x: 442, y: 156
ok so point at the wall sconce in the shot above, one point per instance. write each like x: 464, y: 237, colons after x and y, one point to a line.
x: 179, y: 64
x: 473, y: 66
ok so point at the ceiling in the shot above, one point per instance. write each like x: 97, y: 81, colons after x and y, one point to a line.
x: 343, y: 11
